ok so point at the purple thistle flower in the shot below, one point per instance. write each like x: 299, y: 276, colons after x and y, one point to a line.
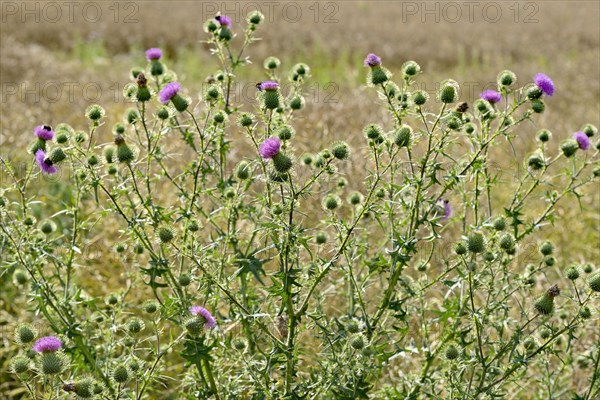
x: 491, y: 95
x: 168, y: 92
x: 44, y: 163
x: 372, y: 60
x: 153, y: 54
x: 447, y: 210
x: 47, y: 344
x: 269, y: 85
x: 44, y: 132
x: 204, y: 313
x: 224, y: 20
x: 582, y: 140
x: 270, y: 148
x: 544, y: 83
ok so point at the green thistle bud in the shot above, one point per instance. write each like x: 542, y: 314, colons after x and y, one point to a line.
x: 285, y: 132
x: 585, y: 313
x: 29, y: 220
x: 572, y: 272
x: 342, y: 183
x: 448, y: 91
x: 135, y: 325
x: 569, y: 147
x: 550, y: 261
x: 112, y: 299
x: 184, y: 280
x: 165, y: 234
x: 180, y: 103
x: 219, y: 117
x: 373, y: 131
x: 489, y: 256
x: 93, y: 160
x: 25, y: 333
x: 143, y: 94
x: 47, y: 227
x: 271, y: 63
x: 353, y: 326
x: 118, y: 128
x: 545, y: 304
x: 410, y: 68
x: 546, y: 248
x: 132, y: 116
x: 125, y: 154
x: 534, y: 93
x: 506, y: 78
x: 84, y: 388
x: 357, y: 341
x: 109, y: 154
x: 589, y: 129
x: 156, y: 68
x: 378, y: 75
x: 587, y: 268
x: 530, y: 344
x: 150, y: 306
x: 20, y: 277
x: 282, y: 163
x: 340, y: 150
x: 594, y: 282
x: 62, y: 137
x: 239, y: 344
x: 454, y: 124
x: 544, y: 135
x: 499, y: 224
x: 536, y: 161
x: 120, y: 374
x: 301, y: 69
x: 246, y: 119
x: 19, y: 364
x: 476, y: 242
x: 460, y: 249
x: 545, y: 333
x: 331, y: 202
x: 297, y: 103
x: 321, y: 238
x: 52, y: 363
x: 420, y: 97
x: 112, y: 170
x: 538, y: 106
x: 355, y: 198
x: 39, y: 144
x: 307, y: 159
x: 94, y: 112
x: 243, y: 171
x: 451, y: 352
x: 403, y: 136
x: 163, y: 113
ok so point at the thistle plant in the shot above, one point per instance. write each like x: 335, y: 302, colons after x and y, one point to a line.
x: 250, y: 270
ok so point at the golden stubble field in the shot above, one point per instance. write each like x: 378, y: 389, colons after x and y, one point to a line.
x: 52, y: 67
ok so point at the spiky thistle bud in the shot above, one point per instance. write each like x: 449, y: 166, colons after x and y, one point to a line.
x: 403, y: 136
x: 243, y: 170
x: 282, y: 163
x: 25, y: 333
x: 321, y: 238
x: 536, y: 161
x: 285, y: 132
x: 52, y: 363
x: 569, y: 147
x: 460, y: 249
x: 135, y: 325
x: 94, y: 112
x: 546, y: 248
x: 420, y: 97
x: 19, y: 364
x: 353, y: 326
x: 184, y: 280
x: 357, y: 341
x: 120, y: 374
x: 150, y: 306
x: 545, y: 304
x: 20, y: 277
x: 448, y: 92
x: 410, y: 69
x: 271, y: 63
x: 499, y: 224
x: 331, y: 202
x: 340, y: 150
x: 572, y: 273
x: 451, y: 352
x: 476, y: 242
x: 165, y: 234
x: 84, y: 388
x: 506, y: 78
x: 544, y: 135
x: 594, y: 281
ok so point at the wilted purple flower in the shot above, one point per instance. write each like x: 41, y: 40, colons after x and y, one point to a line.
x: 269, y: 85
x: 44, y: 132
x: 372, y: 60
x: 168, y: 92
x: 270, y: 148
x: 44, y: 163
x: 544, y: 83
x: 204, y: 313
x: 447, y: 210
x: 153, y: 54
x: 582, y: 140
x: 47, y: 344
x: 224, y: 20
x: 491, y: 95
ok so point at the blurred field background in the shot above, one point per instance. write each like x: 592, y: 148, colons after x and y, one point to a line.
x: 52, y: 68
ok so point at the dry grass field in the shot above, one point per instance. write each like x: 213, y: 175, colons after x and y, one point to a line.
x: 52, y: 67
